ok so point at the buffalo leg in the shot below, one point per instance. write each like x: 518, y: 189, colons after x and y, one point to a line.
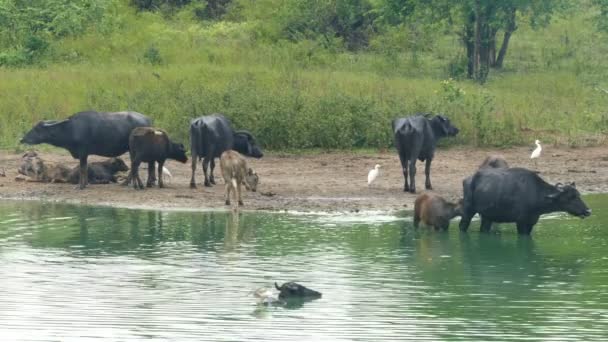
x: 194, y: 161
x: 205, y: 170
x: 151, y: 176
x: 525, y: 228
x: 238, y: 192
x: 416, y: 220
x: 137, y: 183
x: 485, y: 224
x: 465, y: 221
x: 84, y: 172
x: 212, y: 164
x: 412, y: 176
x: 160, y: 174
x: 427, y: 173
x: 403, y: 160
x: 228, y: 188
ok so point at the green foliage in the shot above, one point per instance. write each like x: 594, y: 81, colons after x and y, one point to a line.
x: 152, y: 56
x: 298, y: 86
x: 27, y: 27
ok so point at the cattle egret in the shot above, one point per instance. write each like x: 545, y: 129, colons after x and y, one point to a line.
x: 536, y: 153
x: 373, y: 174
x: 265, y: 296
x: 166, y: 172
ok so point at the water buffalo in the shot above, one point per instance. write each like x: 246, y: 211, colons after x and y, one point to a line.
x: 86, y: 133
x: 102, y: 172
x: 38, y: 170
x: 517, y: 195
x: 210, y: 136
x: 235, y: 173
x: 434, y: 211
x: 295, y: 290
x: 150, y: 145
x: 415, y: 138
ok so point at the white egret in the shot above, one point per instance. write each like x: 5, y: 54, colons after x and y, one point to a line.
x: 166, y: 172
x: 373, y: 174
x: 536, y: 153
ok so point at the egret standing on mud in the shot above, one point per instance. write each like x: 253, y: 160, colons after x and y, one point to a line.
x: 536, y: 153
x: 373, y: 174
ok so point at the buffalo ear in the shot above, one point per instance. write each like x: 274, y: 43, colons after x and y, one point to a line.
x: 573, y: 185
x: 277, y: 286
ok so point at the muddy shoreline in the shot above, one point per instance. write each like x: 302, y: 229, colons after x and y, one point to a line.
x: 325, y: 182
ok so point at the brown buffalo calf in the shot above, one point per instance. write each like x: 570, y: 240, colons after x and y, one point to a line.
x: 152, y: 145
x: 235, y: 173
x: 435, y: 211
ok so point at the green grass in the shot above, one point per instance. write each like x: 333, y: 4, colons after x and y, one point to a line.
x: 300, y: 95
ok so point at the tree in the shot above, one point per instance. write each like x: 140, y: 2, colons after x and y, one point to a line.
x: 478, y: 23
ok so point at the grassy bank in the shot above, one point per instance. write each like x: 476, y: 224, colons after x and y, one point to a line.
x: 301, y: 95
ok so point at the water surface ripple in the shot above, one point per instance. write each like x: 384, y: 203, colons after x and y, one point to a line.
x: 76, y: 273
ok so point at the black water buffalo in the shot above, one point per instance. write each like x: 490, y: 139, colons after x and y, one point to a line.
x: 102, y: 172
x: 210, y: 136
x: 517, y: 195
x: 415, y: 138
x: 86, y: 133
x: 295, y: 290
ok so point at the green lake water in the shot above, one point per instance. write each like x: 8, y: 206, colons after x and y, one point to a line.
x: 78, y: 273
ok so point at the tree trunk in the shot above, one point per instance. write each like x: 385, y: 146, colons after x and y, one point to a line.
x: 477, y: 45
x: 493, y: 47
x: 509, y: 29
x: 468, y: 39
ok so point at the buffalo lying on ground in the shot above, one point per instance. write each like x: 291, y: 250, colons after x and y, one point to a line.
x: 37, y: 170
x: 210, y: 136
x: 150, y: 145
x: 88, y: 133
x: 434, y: 211
x: 415, y: 138
x: 516, y: 195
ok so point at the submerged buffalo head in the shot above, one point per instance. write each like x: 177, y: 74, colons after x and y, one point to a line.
x: 251, y: 180
x: 46, y: 131
x: 443, y: 126
x: 178, y: 152
x: 245, y: 143
x: 294, y: 290
x: 568, y: 199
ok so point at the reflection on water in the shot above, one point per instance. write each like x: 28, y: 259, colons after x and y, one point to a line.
x: 80, y: 273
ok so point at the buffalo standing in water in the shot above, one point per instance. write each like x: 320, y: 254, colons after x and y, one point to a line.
x: 516, y: 195
x: 88, y: 133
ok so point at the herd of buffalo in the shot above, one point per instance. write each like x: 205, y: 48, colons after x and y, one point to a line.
x: 497, y: 192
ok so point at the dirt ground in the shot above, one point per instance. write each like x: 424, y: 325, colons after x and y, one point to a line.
x: 334, y: 181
